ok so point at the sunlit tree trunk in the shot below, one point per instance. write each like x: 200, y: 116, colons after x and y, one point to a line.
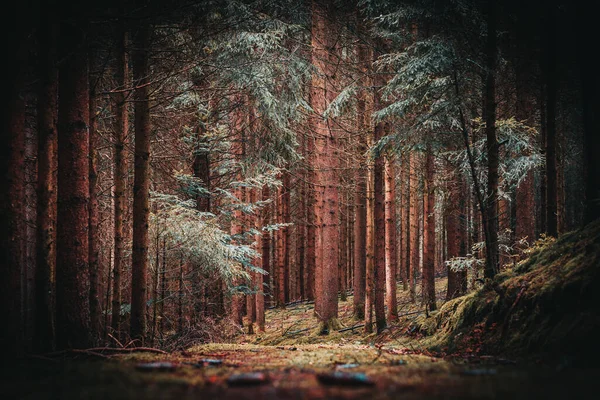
x: 370, y: 263
x: 326, y: 152
x: 141, y: 184
x: 72, y: 251
x: 391, y: 263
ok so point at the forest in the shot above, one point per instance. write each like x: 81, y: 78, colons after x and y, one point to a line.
x: 300, y: 199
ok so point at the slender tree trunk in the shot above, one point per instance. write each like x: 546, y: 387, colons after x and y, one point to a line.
x: 72, y: 250
x: 280, y: 251
x: 285, y: 215
x: 429, y: 233
x: 413, y: 231
x: 491, y: 206
x: 370, y: 263
x: 524, y: 198
x: 46, y: 191
x: 405, y: 220
x: 301, y: 228
x: 551, y: 93
x: 93, y: 215
x: 251, y: 298
x: 121, y: 127
x: 266, y: 252
x: 343, y: 259
x: 457, y: 240
x: 107, y: 296
x: 180, y: 295
x: 360, y: 196
x: 13, y: 288
x: 141, y: 184
x: 163, y: 287
x: 391, y: 263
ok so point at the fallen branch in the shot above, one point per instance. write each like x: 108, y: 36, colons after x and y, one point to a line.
x: 128, y: 350
x: 351, y: 328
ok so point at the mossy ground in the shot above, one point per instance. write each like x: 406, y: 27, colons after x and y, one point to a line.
x: 491, y: 344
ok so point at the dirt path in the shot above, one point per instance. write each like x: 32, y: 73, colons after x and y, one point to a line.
x: 292, y: 372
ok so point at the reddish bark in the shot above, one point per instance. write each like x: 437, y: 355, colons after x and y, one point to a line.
x: 72, y: 251
x: 120, y: 128
x: 266, y: 252
x: 46, y: 190
x: 285, y: 218
x: 326, y: 162
x: 379, y: 233
x: 413, y: 231
x: 391, y: 263
x: 360, y: 195
x: 429, y: 234
x: 93, y: 216
x: 141, y: 184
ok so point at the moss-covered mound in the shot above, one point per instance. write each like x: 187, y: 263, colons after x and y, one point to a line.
x: 548, y: 306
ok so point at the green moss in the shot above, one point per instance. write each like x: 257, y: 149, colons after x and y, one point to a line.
x: 549, y: 305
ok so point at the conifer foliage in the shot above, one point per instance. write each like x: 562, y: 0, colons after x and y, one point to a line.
x: 170, y: 171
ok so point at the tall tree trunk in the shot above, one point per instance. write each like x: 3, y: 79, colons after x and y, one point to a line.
x: 301, y: 228
x: 413, y: 231
x: 141, y: 184
x: 551, y: 92
x: 46, y: 191
x: 13, y: 289
x: 491, y: 203
x: 370, y: 263
x: 285, y: 215
x: 121, y: 127
x: 524, y: 197
x: 251, y: 298
x: 266, y: 253
x: 326, y: 163
x: 280, y: 251
x: 455, y: 215
x: 405, y: 220
x: 379, y: 216
x: 93, y: 216
x: 311, y: 219
x: 72, y: 251
x: 360, y: 196
x: 391, y: 263
x: 429, y: 233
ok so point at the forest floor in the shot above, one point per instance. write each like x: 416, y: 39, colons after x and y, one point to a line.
x: 291, y: 362
x: 530, y: 333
